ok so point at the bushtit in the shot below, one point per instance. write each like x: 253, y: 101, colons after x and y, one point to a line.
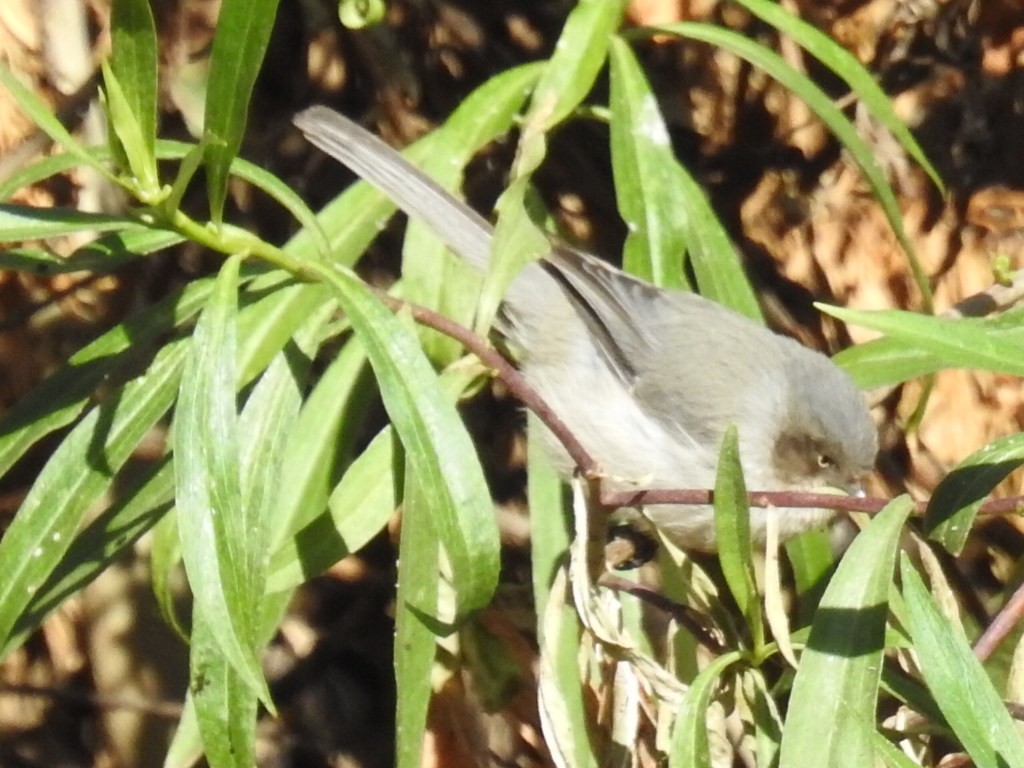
x: 647, y: 379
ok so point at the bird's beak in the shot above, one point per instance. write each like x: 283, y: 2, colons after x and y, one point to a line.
x: 856, y: 489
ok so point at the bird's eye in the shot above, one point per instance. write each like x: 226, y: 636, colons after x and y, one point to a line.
x: 825, y: 461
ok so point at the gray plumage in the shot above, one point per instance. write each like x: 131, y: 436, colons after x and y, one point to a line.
x: 647, y: 379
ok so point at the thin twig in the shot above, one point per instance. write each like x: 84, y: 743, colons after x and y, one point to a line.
x: 677, y: 611
x: 1002, y: 625
x: 512, y: 378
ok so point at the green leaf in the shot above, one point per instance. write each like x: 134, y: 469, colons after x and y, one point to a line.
x: 732, y: 532
x: 563, y: 708
x: 435, y: 439
x: 832, y: 707
x: 24, y: 222
x: 956, y: 500
x: 107, y: 254
x: 569, y: 74
x: 720, y: 274
x: 811, y: 558
x: 846, y: 66
x: 322, y: 440
x: 821, y: 104
x: 133, y: 63
x: 359, y: 507
x: 136, y: 148
x: 164, y: 562
x: 649, y: 198
x: 363, y: 501
x: 886, y: 361
x: 186, y: 746
x: 74, y: 478
x: 101, y: 543
x: 958, y: 682
x: 417, y: 597
x: 225, y: 704
x: 39, y: 113
x: 690, y: 732
x: 270, y: 318
x: 273, y: 407
x: 216, y: 547
x: 960, y: 343
x: 664, y: 206
x: 566, y: 79
x: 243, y: 32
x: 550, y: 529
x: 187, y: 170
x: 430, y: 276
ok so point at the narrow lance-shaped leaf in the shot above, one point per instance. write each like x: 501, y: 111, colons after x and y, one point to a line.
x: 886, y: 361
x: 821, y: 104
x: 243, y: 32
x: 566, y: 79
x: 832, y: 708
x: 102, y: 542
x: 649, y: 199
x: 417, y: 597
x: 563, y: 710
x: 665, y: 207
x: 732, y: 532
x: 957, y: 499
x: 960, y: 343
x: 690, y: 732
x: 225, y: 705
x: 360, y: 506
x: 24, y: 222
x: 435, y: 439
x: 132, y: 145
x: 133, y: 61
x: 431, y: 277
x: 74, y: 478
x: 321, y: 440
x: 39, y: 112
x: 209, y: 496
x: 957, y: 680
x: 578, y: 59
x: 845, y: 65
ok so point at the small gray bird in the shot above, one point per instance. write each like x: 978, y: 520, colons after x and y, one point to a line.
x: 647, y: 379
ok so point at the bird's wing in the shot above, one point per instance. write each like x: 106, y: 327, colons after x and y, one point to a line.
x: 663, y: 343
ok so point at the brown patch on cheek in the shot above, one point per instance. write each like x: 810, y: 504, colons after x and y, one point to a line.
x: 795, y: 459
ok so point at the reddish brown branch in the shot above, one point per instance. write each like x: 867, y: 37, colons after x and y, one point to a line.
x: 683, y: 615
x: 1003, y: 624
x: 513, y: 379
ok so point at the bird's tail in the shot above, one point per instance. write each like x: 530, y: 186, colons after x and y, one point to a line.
x: 460, y: 227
